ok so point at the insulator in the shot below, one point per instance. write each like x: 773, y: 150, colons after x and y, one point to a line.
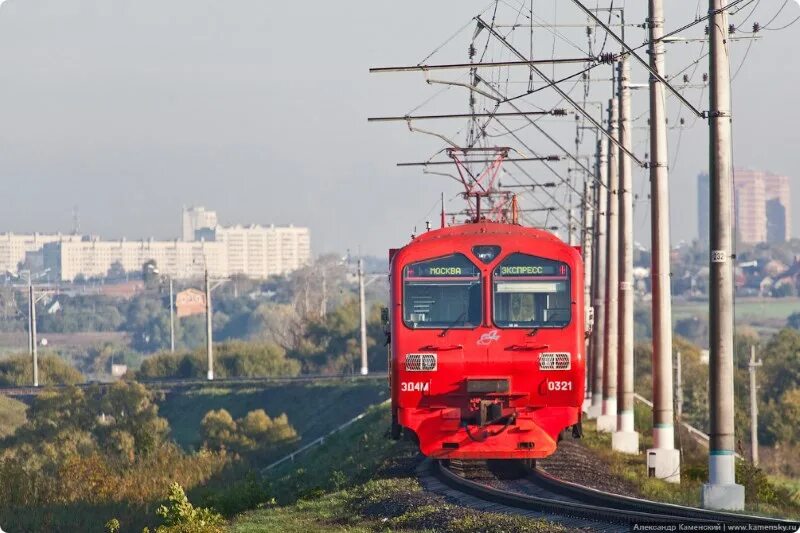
x: 706, y: 30
x: 588, y: 30
x: 705, y: 77
x: 606, y: 58
x: 756, y: 27
x: 731, y: 29
x: 683, y: 121
x: 558, y: 112
x: 472, y: 51
x: 685, y: 78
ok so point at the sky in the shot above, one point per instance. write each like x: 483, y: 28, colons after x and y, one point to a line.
x: 131, y: 109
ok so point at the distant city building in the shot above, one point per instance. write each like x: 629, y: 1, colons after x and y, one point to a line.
x: 762, y: 207
x: 14, y: 248
x: 94, y: 258
x: 254, y: 251
x: 263, y: 251
x: 196, y: 219
x: 190, y: 302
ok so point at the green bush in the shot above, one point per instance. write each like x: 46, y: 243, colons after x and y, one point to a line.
x: 254, y: 431
x: 17, y: 371
x: 180, y: 516
x: 233, y: 359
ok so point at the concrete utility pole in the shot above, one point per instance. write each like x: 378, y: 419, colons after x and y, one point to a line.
x: 209, y: 334
x: 678, y: 386
x: 607, y: 422
x: 753, y: 367
x: 625, y: 439
x: 599, y: 287
x: 663, y: 460
x: 32, y: 330
x: 587, y: 241
x: 171, y: 317
x: 721, y: 491
x: 323, y: 305
x: 363, y: 313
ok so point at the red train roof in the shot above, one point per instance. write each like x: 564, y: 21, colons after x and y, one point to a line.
x: 486, y: 229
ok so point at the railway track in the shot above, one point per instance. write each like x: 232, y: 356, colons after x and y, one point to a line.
x: 507, y: 486
x: 167, y: 385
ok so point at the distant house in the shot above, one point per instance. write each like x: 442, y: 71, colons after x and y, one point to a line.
x: 190, y: 302
x: 126, y: 289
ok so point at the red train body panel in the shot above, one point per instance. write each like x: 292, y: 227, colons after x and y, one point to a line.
x: 487, y: 341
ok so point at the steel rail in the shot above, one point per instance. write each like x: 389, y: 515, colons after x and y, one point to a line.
x: 627, y: 503
x: 567, y: 509
x: 592, y: 504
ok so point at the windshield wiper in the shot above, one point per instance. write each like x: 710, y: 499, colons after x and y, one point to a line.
x: 453, y: 323
x: 535, y: 330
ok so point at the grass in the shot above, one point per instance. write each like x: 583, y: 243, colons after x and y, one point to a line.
x: 313, y: 408
x: 747, y: 309
x: 360, y: 481
x: 765, y: 495
x: 12, y: 415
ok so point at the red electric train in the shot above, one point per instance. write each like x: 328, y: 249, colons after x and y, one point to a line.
x: 487, y: 341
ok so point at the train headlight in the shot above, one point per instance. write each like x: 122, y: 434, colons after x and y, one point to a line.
x: 421, y: 362
x: 554, y: 361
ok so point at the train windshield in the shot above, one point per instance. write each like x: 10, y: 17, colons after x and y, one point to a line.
x: 442, y: 293
x: 531, y: 292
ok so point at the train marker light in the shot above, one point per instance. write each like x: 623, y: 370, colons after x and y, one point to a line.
x: 486, y: 253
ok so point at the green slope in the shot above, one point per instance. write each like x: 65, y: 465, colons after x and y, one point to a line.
x: 313, y: 408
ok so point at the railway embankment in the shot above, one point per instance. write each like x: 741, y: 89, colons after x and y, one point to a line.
x: 359, y: 480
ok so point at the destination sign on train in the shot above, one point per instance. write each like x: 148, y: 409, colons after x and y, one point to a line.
x: 532, y: 270
x: 440, y: 271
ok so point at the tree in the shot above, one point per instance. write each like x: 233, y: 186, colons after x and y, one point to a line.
x: 781, y: 363
x: 794, y: 320
x: 134, y: 418
x: 116, y: 271
x: 218, y: 429
x: 782, y: 418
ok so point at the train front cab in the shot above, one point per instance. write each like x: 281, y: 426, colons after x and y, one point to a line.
x: 487, y: 348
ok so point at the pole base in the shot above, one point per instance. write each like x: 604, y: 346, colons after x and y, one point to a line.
x: 723, y: 497
x: 594, y: 411
x: 607, y: 423
x: 364, y: 371
x: 664, y: 464
x: 210, y: 375
x: 625, y: 442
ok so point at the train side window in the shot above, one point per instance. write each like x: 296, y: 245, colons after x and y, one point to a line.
x: 440, y: 293
x: 531, y: 292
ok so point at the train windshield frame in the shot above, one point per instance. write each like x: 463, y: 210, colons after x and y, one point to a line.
x: 531, y: 292
x: 445, y: 292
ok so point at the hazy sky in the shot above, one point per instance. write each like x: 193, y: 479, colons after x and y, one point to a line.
x: 131, y: 109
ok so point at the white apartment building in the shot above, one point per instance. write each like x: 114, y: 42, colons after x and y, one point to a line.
x: 13, y: 247
x: 263, y: 251
x: 254, y: 251
x: 93, y: 258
